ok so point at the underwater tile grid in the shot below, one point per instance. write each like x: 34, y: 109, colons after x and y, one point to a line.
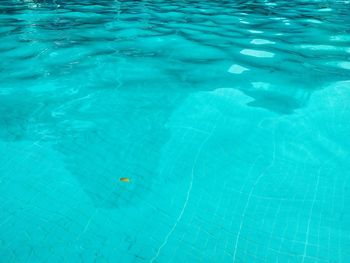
x: 175, y: 131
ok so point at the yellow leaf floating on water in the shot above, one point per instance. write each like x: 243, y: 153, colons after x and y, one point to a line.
x: 125, y: 180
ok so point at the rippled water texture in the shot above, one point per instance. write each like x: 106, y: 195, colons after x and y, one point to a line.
x: 230, y: 119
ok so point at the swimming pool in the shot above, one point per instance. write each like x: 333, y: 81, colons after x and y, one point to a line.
x: 227, y: 120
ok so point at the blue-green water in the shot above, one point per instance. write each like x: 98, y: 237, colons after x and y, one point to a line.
x: 231, y: 120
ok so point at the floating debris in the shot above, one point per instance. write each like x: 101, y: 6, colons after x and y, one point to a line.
x: 125, y: 180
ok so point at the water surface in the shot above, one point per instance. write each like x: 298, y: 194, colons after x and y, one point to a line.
x: 230, y: 119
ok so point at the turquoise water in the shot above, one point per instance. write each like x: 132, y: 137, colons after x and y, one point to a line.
x: 229, y: 118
